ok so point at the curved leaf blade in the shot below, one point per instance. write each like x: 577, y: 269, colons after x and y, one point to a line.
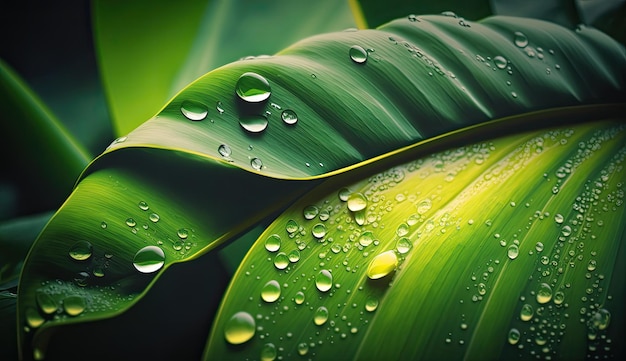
x: 469, y: 228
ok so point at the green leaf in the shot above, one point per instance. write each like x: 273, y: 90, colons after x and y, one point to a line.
x: 226, y: 154
x: 447, y: 251
x: 149, y: 51
x: 37, y: 147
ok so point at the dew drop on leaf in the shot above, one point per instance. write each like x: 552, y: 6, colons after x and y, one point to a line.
x: 299, y: 298
x: 291, y: 227
x: 253, y: 123
x: 281, y: 261
x: 310, y: 212
x: 500, y: 61
x: 294, y: 256
x: 344, y: 194
x: 319, y: 230
x: 520, y: 39
x: 272, y: 243
x: 33, y: 318
x: 81, y: 250
x: 424, y: 206
x: 149, y: 259
x: 239, y: 328
x: 527, y: 312
x: 73, y: 305
x: 130, y: 222
x: 256, y: 163
x: 600, y: 319
x: 324, y: 280
x: 289, y: 116
x: 403, y: 245
x: 513, y: 251
x: 371, y: 304
x: 268, y: 352
x: 402, y: 230
x: 46, y: 303
x: 154, y: 217
x: 224, y: 150
x: 193, y: 110
x: 321, y: 316
x: 303, y: 348
x: 357, y: 202
x: 182, y: 233
x: 143, y: 206
x: 514, y: 336
x: 271, y: 291
x: 559, y: 297
x: 358, y: 54
x: 382, y: 265
x: 252, y: 88
x: 544, y: 294
x: 366, y: 238
x: 219, y: 107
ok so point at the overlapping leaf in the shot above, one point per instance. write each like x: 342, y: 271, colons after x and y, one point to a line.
x: 213, y: 163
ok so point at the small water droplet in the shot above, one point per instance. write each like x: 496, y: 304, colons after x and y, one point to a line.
x: 253, y: 123
x: 256, y: 163
x: 591, y: 266
x: 193, y: 110
x: 371, y: 304
x: 513, y: 251
x: 143, y: 206
x: 271, y: 291
x: 299, y: 298
x: 46, y: 303
x: 33, y: 318
x: 539, y: 247
x: 600, y: 319
x: 559, y: 297
x: 424, y: 206
x: 520, y: 39
x: 281, y: 261
x: 357, y: 202
x: 224, y: 150
x: 73, y: 305
x: 450, y: 14
x: 289, y: 116
x: 402, y: 230
x: 358, y: 54
x: 514, y: 94
x: 253, y: 88
x: 81, y: 250
x: 303, y: 348
x: 291, y: 226
x: 154, y: 217
x: 149, y: 259
x: 294, y: 256
x: 239, y: 328
x: 272, y: 243
x: 382, y: 265
x: 366, y: 238
x: 566, y: 231
x: 500, y: 61
x: 527, y: 312
x: 319, y: 230
x: 514, y: 336
x: 544, y: 294
x: 324, y: 280
x: 310, y: 212
x: 219, y: 107
x: 268, y: 352
x: 344, y: 194
x: 130, y: 222
x: 321, y: 316
x: 403, y: 245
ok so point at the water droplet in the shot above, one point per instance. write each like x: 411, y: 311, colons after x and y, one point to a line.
x: 600, y: 319
x: 451, y: 14
x: 357, y: 202
x: 154, y: 217
x: 256, y: 163
x: 143, y: 206
x: 130, y: 222
x: 281, y: 261
x: 514, y: 94
x: 46, y: 303
x: 149, y: 259
x: 268, y: 352
x: 544, y: 294
x: 319, y: 230
x: 253, y: 123
x: 559, y: 297
x: 513, y: 251
x: 289, y: 116
x: 403, y: 245
x: 294, y: 256
x: 321, y: 316
x: 514, y: 336
x: 366, y: 238
x: 193, y: 110
x: 303, y: 348
x: 527, y: 312
x: 239, y: 328
x: 520, y: 39
x: 413, y: 18
x: 344, y: 194
x: 566, y: 230
x: 500, y: 61
x: 402, y: 230
x: 358, y: 54
x: 371, y: 304
x: 81, y: 250
x: 33, y: 318
x: 103, y: 225
x: 310, y: 212
x: 272, y: 243
x: 591, y: 266
x: 324, y: 280
x: 73, y: 305
x: 253, y: 88
x: 382, y: 265
x: 424, y: 206
x: 299, y: 298
x: 291, y: 227
x: 224, y: 150
x: 271, y: 291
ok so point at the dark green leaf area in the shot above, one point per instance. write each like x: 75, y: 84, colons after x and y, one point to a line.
x: 334, y: 100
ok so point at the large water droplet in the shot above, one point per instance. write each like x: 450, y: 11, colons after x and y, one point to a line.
x: 193, y: 110
x: 324, y: 280
x: 358, y: 54
x: 253, y: 123
x: 310, y: 212
x: 33, y: 318
x: 402, y: 230
x: 253, y: 88
x: 514, y: 336
x: 271, y: 291
x: 239, y: 328
x: 366, y: 238
x: 321, y: 316
x: 357, y: 202
x: 303, y: 348
x: 344, y: 194
x: 382, y: 265
x: 291, y: 227
x: 319, y: 230
x: 224, y: 150
x: 289, y: 116
x: 299, y: 298
x: 268, y: 352
x: 403, y: 245
x: 424, y: 206
x: 81, y: 250
x: 520, y: 39
x: 544, y: 294
x: 513, y: 251
x: 558, y: 218
x: 559, y: 297
x: 371, y: 304
x: 143, y: 205
x: 500, y: 61
x: 256, y: 163
x: 601, y: 319
x: 527, y: 312
x: 149, y: 259
x: 46, y: 303
x: 73, y: 305
x: 281, y: 261
x: 272, y: 243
